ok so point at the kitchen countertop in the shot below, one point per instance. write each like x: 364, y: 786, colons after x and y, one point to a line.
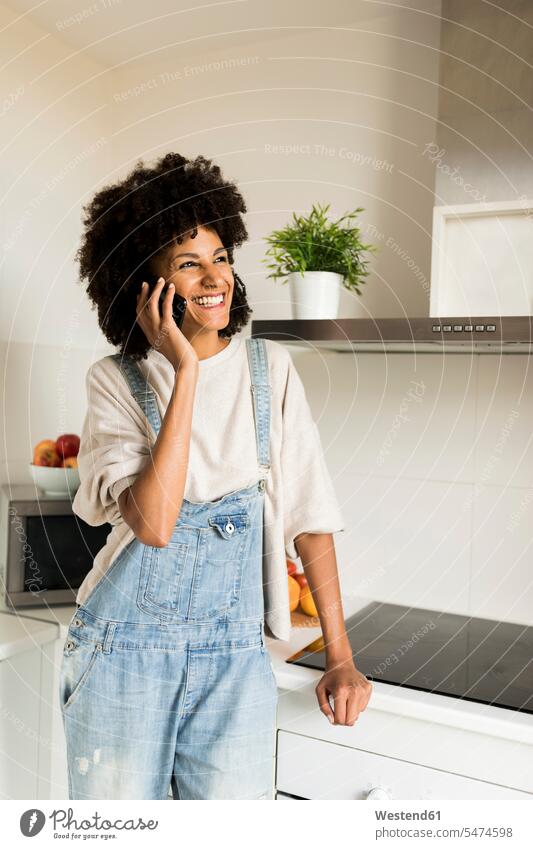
x: 25, y: 628
x: 21, y: 630
x: 19, y: 634
x: 389, y: 698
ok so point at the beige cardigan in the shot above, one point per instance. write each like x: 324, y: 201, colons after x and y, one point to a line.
x: 299, y: 495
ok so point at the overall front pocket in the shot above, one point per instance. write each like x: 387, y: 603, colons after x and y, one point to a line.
x: 77, y: 664
x: 165, y: 576
x: 218, y: 574
x: 165, y: 572
x: 197, y: 576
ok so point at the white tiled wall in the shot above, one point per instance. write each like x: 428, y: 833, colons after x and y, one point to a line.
x: 436, y: 485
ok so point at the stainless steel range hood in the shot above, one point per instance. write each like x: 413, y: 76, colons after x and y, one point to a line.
x: 463, y: 335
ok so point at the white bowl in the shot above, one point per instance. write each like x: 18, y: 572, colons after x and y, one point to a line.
x: 55, y: 480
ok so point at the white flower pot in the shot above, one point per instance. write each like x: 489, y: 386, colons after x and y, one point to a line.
x: 315, y: 294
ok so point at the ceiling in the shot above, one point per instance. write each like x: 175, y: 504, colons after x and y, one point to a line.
x: 118, y: 31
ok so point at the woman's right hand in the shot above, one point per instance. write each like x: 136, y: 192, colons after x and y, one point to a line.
x: 162, y: 331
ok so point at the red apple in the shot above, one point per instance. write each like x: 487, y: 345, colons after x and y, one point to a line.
x: 291, y: 567
x: 302, y: 580
x: 67, y: 445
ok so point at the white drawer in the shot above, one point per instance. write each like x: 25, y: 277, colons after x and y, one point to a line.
x: 316, y: 769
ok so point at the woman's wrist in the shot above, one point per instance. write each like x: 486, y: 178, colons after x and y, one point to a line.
x: 338, y: 650
x: 186, y: 370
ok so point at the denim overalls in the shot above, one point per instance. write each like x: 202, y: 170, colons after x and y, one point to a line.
x: 165, y: 676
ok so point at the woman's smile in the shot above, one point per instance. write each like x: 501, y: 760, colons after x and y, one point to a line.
x: 210, y: 302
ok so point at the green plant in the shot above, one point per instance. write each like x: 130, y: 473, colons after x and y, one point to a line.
x: 314, y: 243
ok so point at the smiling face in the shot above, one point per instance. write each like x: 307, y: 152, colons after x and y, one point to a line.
x: 201, y: 273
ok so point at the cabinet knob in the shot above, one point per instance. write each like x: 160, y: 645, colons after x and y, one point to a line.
x: 378, y: 793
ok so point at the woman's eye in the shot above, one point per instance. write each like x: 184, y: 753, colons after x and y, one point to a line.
x: 191, y: 262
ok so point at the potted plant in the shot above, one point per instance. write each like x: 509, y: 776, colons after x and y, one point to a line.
x: 317, y: 256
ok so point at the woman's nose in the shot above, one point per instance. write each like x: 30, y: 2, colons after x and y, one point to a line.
x: 214, y: 278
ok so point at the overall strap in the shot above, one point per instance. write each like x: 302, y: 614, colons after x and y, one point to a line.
x: 260, y: 387
x: 261, y: 393
x: 140, y: 389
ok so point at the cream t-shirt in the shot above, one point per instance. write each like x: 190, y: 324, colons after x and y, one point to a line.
x: 116, y: 439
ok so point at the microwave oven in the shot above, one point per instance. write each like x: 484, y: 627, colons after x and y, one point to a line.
x: 46, y: 549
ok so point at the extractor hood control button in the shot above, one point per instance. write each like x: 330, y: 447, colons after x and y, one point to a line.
x: 436, y: 328
x: 469, y: 328
x: 457, y: 327
x: 446, y: 328
x: 491, y: 328
x: 480, y: 327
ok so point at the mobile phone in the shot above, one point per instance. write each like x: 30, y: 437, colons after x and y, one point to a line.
x: 179, y: 304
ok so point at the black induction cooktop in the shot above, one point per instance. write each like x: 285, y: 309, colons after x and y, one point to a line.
x: 480, y: 660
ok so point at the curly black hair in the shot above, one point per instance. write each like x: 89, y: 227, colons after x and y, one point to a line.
x: 128, y: 223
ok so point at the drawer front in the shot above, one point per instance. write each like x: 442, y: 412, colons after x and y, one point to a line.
x: 315, y: 769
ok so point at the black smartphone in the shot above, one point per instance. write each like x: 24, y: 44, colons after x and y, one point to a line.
x: 179, y: 304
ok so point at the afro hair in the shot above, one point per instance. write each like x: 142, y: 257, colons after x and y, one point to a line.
x: 128, y: 223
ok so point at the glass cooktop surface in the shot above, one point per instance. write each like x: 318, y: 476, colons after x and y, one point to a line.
x: 480, y: 660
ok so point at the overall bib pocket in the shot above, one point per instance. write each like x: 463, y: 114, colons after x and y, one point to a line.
x: 197, y: 576
x: 78, y: 662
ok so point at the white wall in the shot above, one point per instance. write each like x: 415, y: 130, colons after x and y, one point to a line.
x: 330, y: 115
x: 56, y: 149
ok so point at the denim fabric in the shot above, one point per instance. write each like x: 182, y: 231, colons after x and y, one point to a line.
x: 165, y: 677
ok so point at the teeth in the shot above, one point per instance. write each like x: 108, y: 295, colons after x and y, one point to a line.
x: 209, y: 301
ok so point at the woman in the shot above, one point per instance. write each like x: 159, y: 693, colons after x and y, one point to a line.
x: 166, y: 677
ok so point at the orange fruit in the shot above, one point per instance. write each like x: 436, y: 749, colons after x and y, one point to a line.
x: 300, y: 577
x: 307, y: 602
x: 294, y: 593
x: 45, y: 454
x: 70, y: 462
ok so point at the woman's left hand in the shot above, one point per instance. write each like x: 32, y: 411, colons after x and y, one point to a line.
x: 350, y: 689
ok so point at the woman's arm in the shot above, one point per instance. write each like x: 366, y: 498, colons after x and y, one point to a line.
x: 350, y: 689
x: 151, y: 506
